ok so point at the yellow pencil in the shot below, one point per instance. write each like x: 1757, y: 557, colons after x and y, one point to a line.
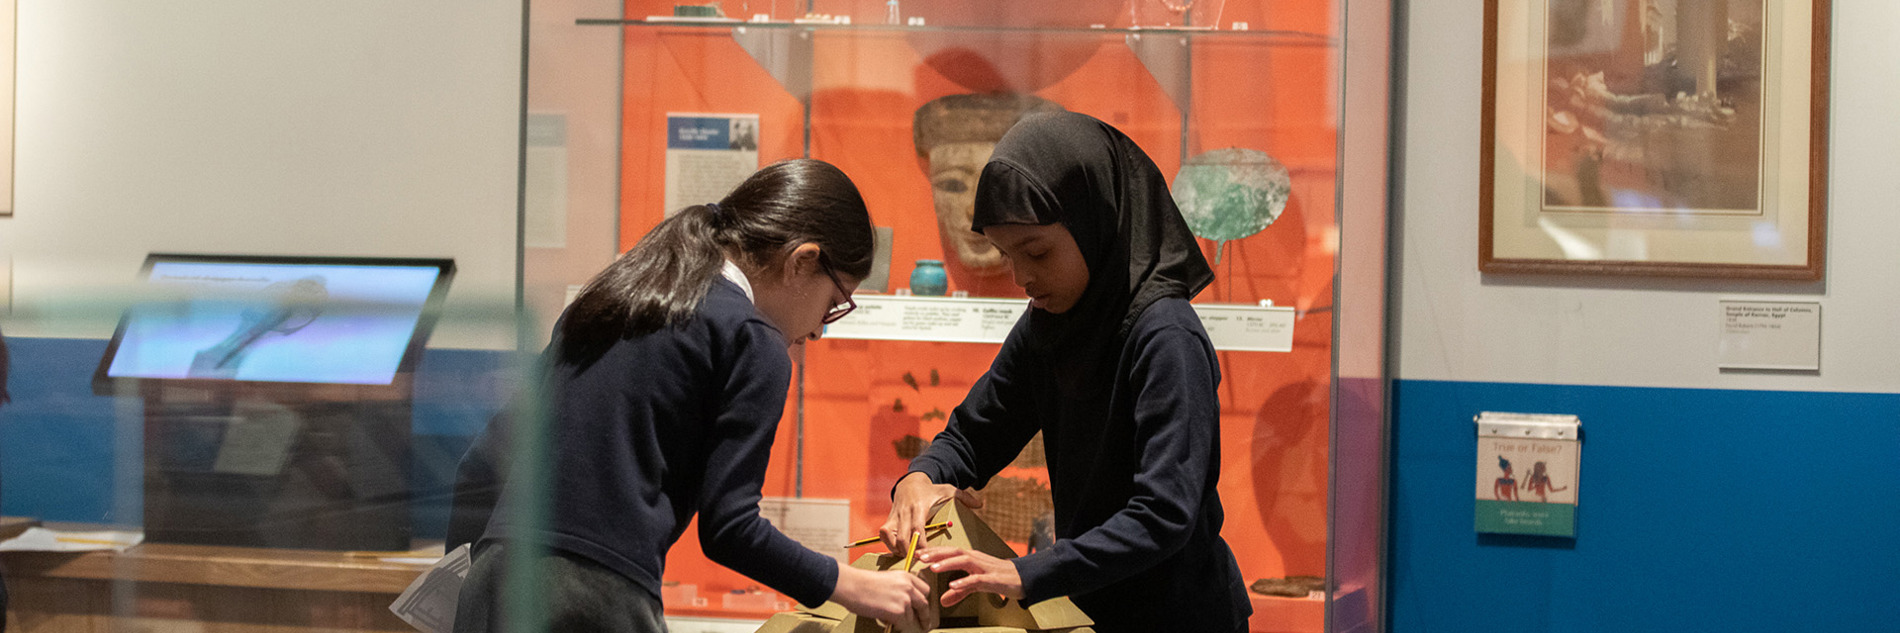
x: 873, y: 539
x: 87, y: 541
x: 911, y: 556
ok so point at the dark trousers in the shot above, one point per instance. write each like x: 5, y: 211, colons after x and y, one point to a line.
x: 578, y: 595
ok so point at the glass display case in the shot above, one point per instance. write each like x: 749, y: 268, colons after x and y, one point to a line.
x: 1275, y: 151
x: 216, y: 498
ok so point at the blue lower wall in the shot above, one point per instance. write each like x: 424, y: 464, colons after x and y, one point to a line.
x: 57, y: 457
x: 1699, y: 510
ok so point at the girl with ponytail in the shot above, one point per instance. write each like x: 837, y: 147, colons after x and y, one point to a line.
x: 664, y: 385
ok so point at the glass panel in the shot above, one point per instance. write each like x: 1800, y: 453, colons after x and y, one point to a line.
x: 254, y: 432
x: 285, y: 445
x: 906, y: 98
x: 1356, y: 543
x: 264, y: 440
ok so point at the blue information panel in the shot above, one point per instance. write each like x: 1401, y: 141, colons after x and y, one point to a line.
x: 698, y: 132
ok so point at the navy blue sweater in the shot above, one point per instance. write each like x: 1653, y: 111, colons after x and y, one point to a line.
x: 659, y: 427
x: 1133, y: 458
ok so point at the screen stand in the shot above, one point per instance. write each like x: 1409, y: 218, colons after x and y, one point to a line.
x: 287, y: 466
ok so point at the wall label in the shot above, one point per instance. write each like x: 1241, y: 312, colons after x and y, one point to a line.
x: 1239, y: 328
x: 1770, y: 335
x: 823, y: 525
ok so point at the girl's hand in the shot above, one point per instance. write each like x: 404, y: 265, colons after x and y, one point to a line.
x: 987, y: 574
x: 912, y: 503
x: 894, y: 597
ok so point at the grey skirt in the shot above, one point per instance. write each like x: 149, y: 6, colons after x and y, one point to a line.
x: 579, y: 595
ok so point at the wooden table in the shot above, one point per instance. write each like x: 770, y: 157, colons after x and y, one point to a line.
x: 203, y: 589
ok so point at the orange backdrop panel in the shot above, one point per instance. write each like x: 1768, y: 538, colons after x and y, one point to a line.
x: 1275, y: 96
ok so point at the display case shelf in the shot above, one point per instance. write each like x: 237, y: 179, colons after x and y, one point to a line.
x: 1283, y: 37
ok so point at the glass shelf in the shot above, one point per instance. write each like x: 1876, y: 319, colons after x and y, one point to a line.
x: 784, y: 48
x: 1277, y: 36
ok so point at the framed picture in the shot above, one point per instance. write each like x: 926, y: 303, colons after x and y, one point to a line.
x: 1655, y: 137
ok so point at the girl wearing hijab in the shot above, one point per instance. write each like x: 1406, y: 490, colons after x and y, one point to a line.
x: 663, y: 387
x: 1112, y: 366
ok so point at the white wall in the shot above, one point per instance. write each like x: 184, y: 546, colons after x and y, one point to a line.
x: 341, y: 127
x: 1459, y: 325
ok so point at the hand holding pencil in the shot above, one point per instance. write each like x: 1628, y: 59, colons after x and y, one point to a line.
x: 914, y: 502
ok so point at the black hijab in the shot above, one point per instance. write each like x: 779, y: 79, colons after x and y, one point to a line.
x: 1074, y: 169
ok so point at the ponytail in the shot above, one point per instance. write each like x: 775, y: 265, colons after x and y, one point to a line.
x: 664, y: 277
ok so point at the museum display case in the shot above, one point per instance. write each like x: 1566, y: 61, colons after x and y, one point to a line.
x: 215, y: 499
x: 1276, y: 154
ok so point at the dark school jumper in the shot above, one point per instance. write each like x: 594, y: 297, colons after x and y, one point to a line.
x: 659, y: 427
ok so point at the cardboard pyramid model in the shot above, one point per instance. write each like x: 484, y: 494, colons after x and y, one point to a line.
x: 976, y: 613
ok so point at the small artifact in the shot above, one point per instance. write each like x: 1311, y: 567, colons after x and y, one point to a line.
x: 929, y: 279
x: 910, y: 446
x: 1043, y: 533
x: 1289, y: 587
x: 1228, y: 194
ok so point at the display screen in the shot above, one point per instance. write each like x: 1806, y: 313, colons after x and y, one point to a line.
x: 302, y: 320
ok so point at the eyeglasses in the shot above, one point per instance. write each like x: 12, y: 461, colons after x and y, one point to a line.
x: 838, y: 311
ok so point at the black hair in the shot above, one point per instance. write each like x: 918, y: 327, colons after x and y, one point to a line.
x: 661, y: 280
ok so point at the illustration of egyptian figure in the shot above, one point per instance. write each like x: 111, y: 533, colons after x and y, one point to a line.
x: 1505, y: 489
x: 1539, y: 483
x: 287, y: 306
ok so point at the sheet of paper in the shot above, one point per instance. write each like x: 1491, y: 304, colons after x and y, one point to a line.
x: 544, y: 189
x: 429, y: 603
x: 40, y: 539
x: 258, y: 440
